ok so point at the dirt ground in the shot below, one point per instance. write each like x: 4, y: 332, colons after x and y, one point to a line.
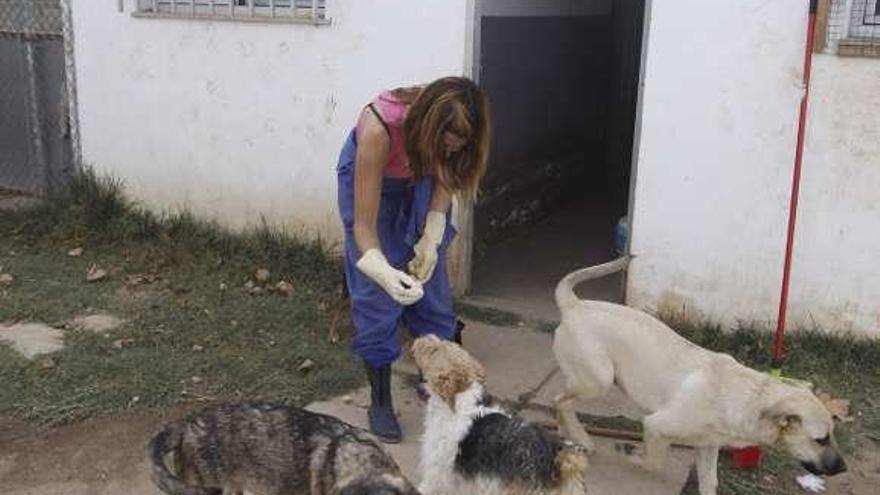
x: 99, y: 456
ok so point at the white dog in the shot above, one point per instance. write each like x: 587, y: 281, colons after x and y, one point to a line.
x: 471, y: 446
x: 694, y: 396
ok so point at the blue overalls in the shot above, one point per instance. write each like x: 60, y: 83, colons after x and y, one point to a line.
x: 403, y: 208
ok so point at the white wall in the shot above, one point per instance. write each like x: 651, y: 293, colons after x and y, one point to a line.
x: 836, y: 277
x: 241, y: 120
x: 718, y: 131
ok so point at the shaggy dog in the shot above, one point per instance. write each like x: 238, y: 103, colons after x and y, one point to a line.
x: 471, y: 446
x: 694, y: 396
x: 270, y: 449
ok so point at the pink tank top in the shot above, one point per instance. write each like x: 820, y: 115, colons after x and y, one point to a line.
x: 393, y: 112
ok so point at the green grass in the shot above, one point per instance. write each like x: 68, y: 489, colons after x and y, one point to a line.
x: 247, y: 346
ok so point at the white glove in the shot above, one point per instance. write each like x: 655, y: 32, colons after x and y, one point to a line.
x: 425, y: 260
x: 400, y: 286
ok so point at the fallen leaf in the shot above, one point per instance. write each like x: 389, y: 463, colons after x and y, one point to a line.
x: 839, y: 408
x: 123, y: 343
x: 306, y: 366
x: 262, y: 275
x: 197, y: 348
x: 284, y: 287
x: 141, y: 279
x: 223, y: 286
x: 95, y: 274
x: 75, y: 252
x: 196, y: 379
x: 48, y: 362
x: 6, y: 279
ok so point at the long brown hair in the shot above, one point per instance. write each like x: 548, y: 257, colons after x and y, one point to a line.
x: 457, y: 105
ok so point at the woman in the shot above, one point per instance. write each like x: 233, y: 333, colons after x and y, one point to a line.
x: 412, y: 149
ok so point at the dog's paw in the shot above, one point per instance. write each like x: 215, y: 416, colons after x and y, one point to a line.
x: 587, y: 445
x: 650, y: 464
x: 644, y: 463
x: 583, y: 449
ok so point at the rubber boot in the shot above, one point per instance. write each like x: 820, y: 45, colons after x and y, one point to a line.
x: 459, y: 327
x: 383, y: 422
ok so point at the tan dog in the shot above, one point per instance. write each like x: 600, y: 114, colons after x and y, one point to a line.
x: 471, y: 446
x: 693, y: 396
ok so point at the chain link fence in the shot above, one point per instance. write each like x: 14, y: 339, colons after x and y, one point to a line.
x: 35, y: 132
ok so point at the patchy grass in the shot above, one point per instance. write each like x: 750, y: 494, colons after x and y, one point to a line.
x: 197, y: 333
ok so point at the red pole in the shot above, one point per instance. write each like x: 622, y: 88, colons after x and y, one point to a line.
x: 795, y: 190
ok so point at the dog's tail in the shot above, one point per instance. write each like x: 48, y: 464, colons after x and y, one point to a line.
x: 169, y: 440
x: 565, y: 295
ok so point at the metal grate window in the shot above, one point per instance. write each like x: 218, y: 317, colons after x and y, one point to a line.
x: 305, y: 11
x: 854, y: 28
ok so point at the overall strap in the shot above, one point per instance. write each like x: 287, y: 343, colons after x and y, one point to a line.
x: 381, y: 120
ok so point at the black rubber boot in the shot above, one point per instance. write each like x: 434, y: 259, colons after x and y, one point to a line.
x: 383, y: 422
x: 459, y: 327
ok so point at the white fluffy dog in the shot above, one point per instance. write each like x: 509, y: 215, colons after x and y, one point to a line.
x: 694, y: 396
x: 473, y: 447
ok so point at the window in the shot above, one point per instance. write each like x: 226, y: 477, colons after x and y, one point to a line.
x: 853, y: 27
x: 865, y: 19
x: 305, y: 11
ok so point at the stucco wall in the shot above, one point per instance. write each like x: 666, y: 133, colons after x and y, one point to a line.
x: 238, y: 121
x: 720, y: 108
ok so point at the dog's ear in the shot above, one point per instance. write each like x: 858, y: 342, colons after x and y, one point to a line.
x: 451, y: 383
x: 780, y: 419
x: 787, y: 422
x: 421, y: 346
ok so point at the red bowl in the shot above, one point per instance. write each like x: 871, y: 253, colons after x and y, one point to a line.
x: 747, y: 457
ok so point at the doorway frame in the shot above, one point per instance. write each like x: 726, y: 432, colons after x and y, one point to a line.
x: 460, y: 256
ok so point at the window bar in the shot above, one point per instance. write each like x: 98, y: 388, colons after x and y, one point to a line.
x: 271, y: 8
x: 155, y: 6
x: 847, y: 18
x: 314, y: 10
x: 192, y: 8
x: 173, y: 6
x: 251, y: 7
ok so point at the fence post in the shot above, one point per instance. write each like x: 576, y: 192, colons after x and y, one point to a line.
x: 70, y: 83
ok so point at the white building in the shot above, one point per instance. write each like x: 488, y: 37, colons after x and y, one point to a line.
x: 689, y: 107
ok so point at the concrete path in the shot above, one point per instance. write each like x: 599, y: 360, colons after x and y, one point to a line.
x: 516, y: 361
